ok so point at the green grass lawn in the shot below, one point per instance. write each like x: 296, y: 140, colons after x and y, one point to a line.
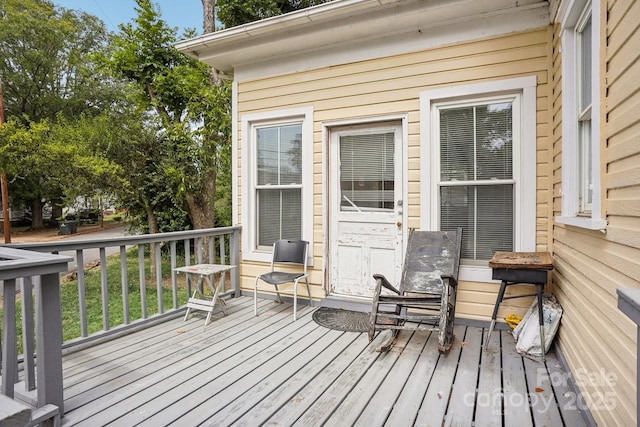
x: 93, y: 296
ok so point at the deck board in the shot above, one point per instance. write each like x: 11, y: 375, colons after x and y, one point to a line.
x: 516, y: 406
x: 245, y: 370
x: 188, y: 387
x: 261, y: 401
x: 436, y: 399
x: 379, y: 407
x: 460, y: 409
x: 412, y: 395
x: 312, y: 390
x: 488, y: 405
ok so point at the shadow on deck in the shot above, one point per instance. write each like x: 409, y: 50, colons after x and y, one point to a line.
x: 246, y: 370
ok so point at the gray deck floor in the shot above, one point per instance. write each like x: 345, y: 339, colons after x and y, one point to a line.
x: 268, y: 370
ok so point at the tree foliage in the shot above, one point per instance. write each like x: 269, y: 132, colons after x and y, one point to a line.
x: 193, y: 113
x: 123, y: 114
x: 48, y: 81
x: 51, y: 160
x: 237, y: 12
x: 44, y: 61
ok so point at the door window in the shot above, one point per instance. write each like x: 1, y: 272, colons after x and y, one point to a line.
x: 367, y: 172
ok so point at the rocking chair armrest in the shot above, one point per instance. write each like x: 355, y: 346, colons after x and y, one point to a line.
x: 381, y: 280
x: 453, y: 282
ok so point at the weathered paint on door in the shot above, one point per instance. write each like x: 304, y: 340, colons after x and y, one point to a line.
x: 365, y: 207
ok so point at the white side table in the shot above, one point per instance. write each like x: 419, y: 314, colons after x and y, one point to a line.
x: 206, y: 273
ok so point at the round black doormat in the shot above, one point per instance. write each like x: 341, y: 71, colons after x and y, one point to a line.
x: 342, y: 320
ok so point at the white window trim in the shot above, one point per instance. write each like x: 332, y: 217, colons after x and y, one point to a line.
x: 569, y: 16
x: 524, y: 160
x: 250, y: 252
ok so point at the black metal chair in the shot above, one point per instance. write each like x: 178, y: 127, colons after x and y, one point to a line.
x: 426, y: 298
x: 286, y: 253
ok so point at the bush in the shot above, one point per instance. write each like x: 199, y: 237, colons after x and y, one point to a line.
x: 90, y: 215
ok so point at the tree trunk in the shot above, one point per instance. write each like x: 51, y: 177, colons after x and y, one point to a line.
x: 200, y: 204
x: 152, y: 223
x: 56, y: 210
x: 36, y: 214
x: 209, y: 16
x: 200, y: 207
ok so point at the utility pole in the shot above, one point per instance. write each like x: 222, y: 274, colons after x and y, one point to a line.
x: 6, y: 229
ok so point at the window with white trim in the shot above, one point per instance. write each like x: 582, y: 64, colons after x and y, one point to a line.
x: 479, y: 173
x: 278, y: 182
x: 580, y: 115
x: 476, y: 179
x: 277, y: 165
x: 584, y: 83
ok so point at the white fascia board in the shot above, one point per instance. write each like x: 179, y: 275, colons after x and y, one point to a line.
x: 364, y: 49
x: 348, y: 26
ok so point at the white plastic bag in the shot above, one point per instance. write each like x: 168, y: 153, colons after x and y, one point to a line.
x: 527, y: 333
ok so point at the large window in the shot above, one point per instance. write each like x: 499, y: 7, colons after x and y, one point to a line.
x: 580, y: 115
x: 277, y: 177
x: 279, y: 182
x: 478, y: 145
x: 476, y: 175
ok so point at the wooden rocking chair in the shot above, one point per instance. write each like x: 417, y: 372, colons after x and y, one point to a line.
x: 426, y: 298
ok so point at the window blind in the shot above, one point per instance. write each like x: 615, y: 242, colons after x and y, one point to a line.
x: 476, y: 177
x: 367, y: 171
x: 278, y: 187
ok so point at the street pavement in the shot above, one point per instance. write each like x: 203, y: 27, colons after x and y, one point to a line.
x: 91, y: 255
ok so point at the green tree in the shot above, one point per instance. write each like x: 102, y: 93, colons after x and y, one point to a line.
x: 237, y: 12
x: 44, y: 61
x: 47, y: 75
x: 194, y: 114
x: 137, y: 146
x: 50, y: 160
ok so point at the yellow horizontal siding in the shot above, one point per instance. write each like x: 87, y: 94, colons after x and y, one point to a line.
x: 392, y: 85
x: 591, y: 265
x: 398, y: 62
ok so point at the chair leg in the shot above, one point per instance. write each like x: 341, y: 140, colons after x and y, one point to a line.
x: 278, y: 294
x: 503, y: 287
x: 255, y: 297
x: 295, y: 299
x: 374, y: 310
x: 309, y: 292
x: 541, y: 322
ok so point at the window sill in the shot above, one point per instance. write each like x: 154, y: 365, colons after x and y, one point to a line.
x: 266, y: 257
x: 583, y: 222
x: 472, y: 273
x: 257, y: 256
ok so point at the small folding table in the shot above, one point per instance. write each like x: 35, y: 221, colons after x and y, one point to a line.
x: 206, y: 273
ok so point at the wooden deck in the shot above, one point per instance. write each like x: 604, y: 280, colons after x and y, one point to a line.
x: 268, y: 370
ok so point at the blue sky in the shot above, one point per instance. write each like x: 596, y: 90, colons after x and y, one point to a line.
x: 177, y: 13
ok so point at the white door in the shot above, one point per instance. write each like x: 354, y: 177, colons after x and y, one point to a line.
x: 365, y: 208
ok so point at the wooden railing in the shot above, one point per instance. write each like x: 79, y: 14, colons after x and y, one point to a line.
x: 35, y: 264
x: 40, y: 277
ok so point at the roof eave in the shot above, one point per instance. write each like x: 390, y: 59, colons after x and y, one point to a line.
x: 334, y: 22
